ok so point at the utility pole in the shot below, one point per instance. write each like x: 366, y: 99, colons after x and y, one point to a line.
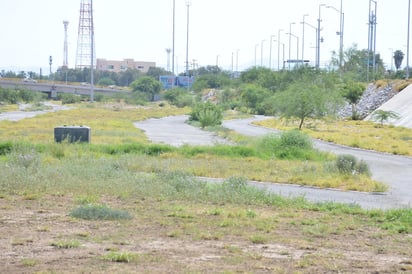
x: 303, y: 36
x: 407, y: 49
x: 173, y: 42
x: 187, y: 40
x: 279, y: 48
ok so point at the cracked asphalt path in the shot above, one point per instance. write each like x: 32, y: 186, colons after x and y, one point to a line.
x: 395, y: 171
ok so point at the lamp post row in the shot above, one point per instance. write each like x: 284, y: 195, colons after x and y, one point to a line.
x: 319, y: 39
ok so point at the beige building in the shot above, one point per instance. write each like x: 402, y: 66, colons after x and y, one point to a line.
x: 118, y: 66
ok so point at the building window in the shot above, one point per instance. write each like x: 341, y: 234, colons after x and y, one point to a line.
x: 110, y: 67
x: 123, y: 67
x: 140, y: 67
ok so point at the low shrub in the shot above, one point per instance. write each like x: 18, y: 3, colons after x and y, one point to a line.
x: 295, y: 139
x: 348, y: 164
x: 68, y: 98
x: 5, y: 147
x: 207, y: 114
x: 99, y: 212
x: 120, y: 257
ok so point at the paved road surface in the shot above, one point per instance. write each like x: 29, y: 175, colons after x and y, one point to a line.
x: 22, y: 114
x: 174, y: 131
x: 396, y: 171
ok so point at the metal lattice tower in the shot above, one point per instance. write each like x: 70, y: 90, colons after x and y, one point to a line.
x: 86, y: 54
x: 65, y: 50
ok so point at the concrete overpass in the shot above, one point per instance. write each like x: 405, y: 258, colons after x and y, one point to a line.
x: 52, y: 88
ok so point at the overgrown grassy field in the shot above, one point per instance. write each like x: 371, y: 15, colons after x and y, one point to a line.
x: 88, y: 214
x: 111, y: 123
x: 359, y: 134
x: 121, y: 204
x: 113, y: 132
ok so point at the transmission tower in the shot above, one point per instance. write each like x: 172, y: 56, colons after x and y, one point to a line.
x: 65, y: 50
x: 86, y: 54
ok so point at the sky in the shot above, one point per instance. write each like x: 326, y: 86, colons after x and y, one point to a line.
x: 220, y: 31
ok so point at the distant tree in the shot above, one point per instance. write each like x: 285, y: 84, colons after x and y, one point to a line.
x: 355, y: 63
x: 384, y: 115
x: 156, y: 72
x: 352, y: 92
x: 305, y: 100
x: 147, y: 85
x: 208, y: 70
x: 128, y: 76
x: 253, y: 96
x: 179, y: 97
x: 208, y: 81
x: 105, y: 81
x: 398, y: 58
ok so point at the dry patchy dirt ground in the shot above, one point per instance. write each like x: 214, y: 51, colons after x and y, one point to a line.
x: 171, y: 237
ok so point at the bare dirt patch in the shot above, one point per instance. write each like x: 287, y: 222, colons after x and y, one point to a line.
x: 169, y: 237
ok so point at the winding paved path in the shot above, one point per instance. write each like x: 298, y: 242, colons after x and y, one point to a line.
x: 395, y: 171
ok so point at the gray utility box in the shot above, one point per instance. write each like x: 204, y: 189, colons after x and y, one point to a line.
x: 72, y: 134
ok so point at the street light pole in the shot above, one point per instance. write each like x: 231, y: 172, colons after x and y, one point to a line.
x: 340, y: 33
x: 341, y: 23
x: 237, y: 60
x: 374, y: 42
x: 261, y: 53
x: 173, y: 42
x: 270, y: 51
x: 279, y: 47
x: 187, y: 40
x: 303, y: 36
x: 407, y: 43
x: 290, y: 40
x: 256, y: 54
x: 371, y: 38
x: 297, y: 47
x: 318, y: 40
x: 316, y: 32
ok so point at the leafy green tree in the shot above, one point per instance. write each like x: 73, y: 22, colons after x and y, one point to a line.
x: 253, y: 96
x: 305, y: 100
x: 355, y: 63
x: 179, y: 97
x: 105, y: 81
x: 128, y: 76
x: 156, y: 72
x: 384, y: 115
x: 147, y: 85
x: 208, y: 70
x: 398, y: 58
x: 208, y: 81
x: 352, y: 92
x: 260, y: 76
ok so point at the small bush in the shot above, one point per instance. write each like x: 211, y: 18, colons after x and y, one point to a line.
x: 295, y: 139
x: 67, y: 98
x: 25, y: 156
x: 66, y: 244
x: 348, y: 164
x: 99, y: 212
x: 120, y: 257
x: 236, y: 184
x: 363, y: 168
x: 5, y: 148
x: 207, y: 114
